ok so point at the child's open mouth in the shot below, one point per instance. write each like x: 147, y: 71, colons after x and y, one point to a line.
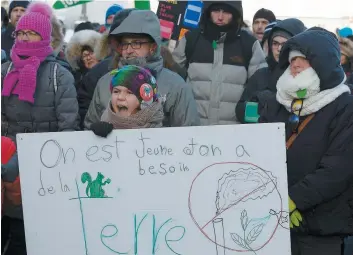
x: 122, y: 108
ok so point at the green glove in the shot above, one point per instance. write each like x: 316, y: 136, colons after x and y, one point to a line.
x: 251, y: 112
x: 295, y: 216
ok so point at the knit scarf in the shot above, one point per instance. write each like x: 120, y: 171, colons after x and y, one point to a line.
x: 149, y: 117
x: 26, y: 58
x: 314, y: 100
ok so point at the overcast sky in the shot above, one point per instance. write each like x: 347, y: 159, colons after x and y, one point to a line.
x: 292, y: 8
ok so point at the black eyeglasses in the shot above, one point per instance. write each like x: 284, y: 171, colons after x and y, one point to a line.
x: 135, y: 45
x: 277, y: 44
x: 294, y: 118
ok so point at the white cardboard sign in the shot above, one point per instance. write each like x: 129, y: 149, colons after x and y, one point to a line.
x: 214, y: 190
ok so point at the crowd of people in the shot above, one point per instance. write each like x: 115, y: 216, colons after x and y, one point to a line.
x: 123, y: 76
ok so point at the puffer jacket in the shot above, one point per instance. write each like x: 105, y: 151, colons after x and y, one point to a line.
x: 266, y: 78
x: 217, y: 76
x: 55, y: 109
x: 179, y: 104
x: 319, y: 162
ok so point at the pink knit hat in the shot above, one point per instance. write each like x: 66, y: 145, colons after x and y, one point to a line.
x: 37, y: 18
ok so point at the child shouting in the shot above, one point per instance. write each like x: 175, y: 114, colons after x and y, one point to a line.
x: 134, y: 102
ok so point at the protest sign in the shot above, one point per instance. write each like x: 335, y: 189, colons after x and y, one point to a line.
x: 211, y: 190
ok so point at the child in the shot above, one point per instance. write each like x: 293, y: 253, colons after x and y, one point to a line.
x: 134, y: 102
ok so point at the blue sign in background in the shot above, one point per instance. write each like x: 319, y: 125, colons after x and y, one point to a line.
x: 192, y: 14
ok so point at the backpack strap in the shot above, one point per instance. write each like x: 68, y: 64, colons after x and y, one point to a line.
x: 300, y: 129
x: 55, y: 77
x: 9, y: 68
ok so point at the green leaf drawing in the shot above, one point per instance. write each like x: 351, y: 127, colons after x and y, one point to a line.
x: 238, y: 240
x: 254, y: 233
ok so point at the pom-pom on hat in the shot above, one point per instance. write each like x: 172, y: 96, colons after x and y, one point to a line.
x: 37, y: 18
x: 139, y: 81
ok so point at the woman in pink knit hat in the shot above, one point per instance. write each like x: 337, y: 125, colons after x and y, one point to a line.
x: 38, y: 95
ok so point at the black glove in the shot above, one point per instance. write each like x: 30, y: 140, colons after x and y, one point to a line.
x: 102, y: 128
x: 268, y: 105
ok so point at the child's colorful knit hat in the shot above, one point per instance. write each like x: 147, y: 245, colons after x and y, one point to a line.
x: 139, y: 81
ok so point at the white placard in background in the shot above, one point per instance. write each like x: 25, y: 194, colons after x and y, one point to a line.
x: 194, y: 190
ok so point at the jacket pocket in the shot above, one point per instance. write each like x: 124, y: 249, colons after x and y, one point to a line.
x: 331, y: 218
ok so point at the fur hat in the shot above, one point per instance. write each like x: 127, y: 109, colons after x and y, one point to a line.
x: 139, y: 81
x: 37, y: 18
x: 57, y: 35
x: 79, y: 40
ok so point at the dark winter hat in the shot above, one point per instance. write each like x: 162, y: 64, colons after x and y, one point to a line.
x: 267, y: 32
x: 264, y: 14
x: 222, y: 6
x: 139, y: 81
x: 84, y: 26
x: 112, y: 10
x: 119, y: 18
x: 281, y: 33
x: 16, y: 3
x: 321, y: 49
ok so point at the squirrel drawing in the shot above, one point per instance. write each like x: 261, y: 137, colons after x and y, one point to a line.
x: 94, y: 188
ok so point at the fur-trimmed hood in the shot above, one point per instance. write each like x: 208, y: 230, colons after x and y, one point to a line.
x: 103, y: 48
x: 74, y: 47
x: 57, y: 35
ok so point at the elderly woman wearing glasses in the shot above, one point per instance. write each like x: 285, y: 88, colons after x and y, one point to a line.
x: 38, y: 95
x: 317, y: 108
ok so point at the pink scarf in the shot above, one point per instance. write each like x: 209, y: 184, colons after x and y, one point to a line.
x: 22, y: 80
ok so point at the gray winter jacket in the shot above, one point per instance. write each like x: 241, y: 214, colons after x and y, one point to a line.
x: 55, y: 108
x: 217, y: 76
x: 179, y: 106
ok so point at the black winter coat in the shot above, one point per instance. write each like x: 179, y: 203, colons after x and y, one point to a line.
x: 320, y: 161
x: 266, y: 78
x: 88, y: 85
x: 7, y: 40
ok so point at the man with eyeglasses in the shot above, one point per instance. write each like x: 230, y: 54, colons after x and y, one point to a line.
x: 16, y: 10
x: 264, y: 81
x: 137, y: 41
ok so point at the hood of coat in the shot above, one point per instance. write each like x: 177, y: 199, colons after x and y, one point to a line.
x: 322, y: 50
x: 236, y: 5
x: 80, y: 39
x: 291, y: 26
x: 103, y: 49
x: 57, y: 35
x: 143, y: 22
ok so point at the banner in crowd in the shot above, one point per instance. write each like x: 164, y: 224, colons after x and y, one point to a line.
x: 178, y: 17
x: 214, y: 190
x: 62, y: 4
